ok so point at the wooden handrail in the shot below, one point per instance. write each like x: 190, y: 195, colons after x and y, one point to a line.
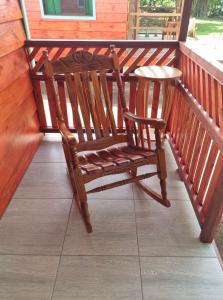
x: 100, y: 43
x: 155, y: 15
x: 213, y: 67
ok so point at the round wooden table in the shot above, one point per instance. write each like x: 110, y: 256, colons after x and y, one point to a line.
x: 161, y: 76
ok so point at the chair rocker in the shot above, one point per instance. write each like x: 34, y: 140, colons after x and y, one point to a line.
x: 85, y: 76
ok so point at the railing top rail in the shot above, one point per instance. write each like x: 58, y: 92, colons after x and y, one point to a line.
x: 100, y: 43
x: 213, y: 67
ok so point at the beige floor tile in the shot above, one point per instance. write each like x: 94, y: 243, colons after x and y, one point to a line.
x: 27, y: 277
x: 170, y: 231
x: 49, y: 151
x: 114, y: 230
x: 175, y: 187
x: 45, y: 180
x: 175, y: 278
x: 173, y: 193
x: 34, y: 226
x: 98, y: 278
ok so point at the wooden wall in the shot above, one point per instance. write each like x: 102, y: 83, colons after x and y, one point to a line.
x: 111, y: 22
x: 19, y: 126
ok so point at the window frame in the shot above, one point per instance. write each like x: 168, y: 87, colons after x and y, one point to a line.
x: 61, y: 17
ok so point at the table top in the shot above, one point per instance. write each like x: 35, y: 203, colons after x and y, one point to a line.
x: 158, y: 72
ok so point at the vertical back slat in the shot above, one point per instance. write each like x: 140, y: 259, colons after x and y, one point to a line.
x: 99, y: 103
x: 91, y: 103
x: 83, y: 105
x: 74, y: 104
x: 108, y: 102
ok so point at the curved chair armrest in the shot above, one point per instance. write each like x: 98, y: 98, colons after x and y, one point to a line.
x: 67, y: 134
x: 156, y: 123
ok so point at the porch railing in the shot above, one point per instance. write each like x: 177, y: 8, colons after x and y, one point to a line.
x: 131, y: 55
x: 196, y: 136
x: 196, y: 127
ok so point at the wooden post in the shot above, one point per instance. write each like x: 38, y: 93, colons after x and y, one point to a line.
x: 214, y: 213
x: 187, y: 5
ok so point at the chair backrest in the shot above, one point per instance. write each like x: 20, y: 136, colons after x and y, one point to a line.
x: 85, y: 76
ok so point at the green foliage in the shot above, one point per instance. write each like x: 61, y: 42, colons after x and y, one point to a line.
x: 204, y: 8
x: 215, y: 8
x: 156, y: 3
x: 208, y: 26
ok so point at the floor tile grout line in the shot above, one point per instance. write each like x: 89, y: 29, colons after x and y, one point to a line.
x: 108, y: 255
x: 65, y: 232
x: 48, y: 162
x: 140, y: 271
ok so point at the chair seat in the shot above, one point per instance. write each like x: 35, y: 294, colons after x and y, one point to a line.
x: 110, y: 160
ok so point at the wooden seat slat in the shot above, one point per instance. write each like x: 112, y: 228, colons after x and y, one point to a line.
x: 87, y: 166
x: 110, y: 157
x: 133, y: 151
x: 119, y: 153
x: 98, y: 161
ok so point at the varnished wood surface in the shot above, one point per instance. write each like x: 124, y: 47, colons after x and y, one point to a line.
x: 158, y: 73
x: 93, y: 116
x: 19, y: 126
x: 196, y: 136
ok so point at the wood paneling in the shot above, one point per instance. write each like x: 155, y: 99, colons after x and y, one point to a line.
x: 9, y: 10
x: 110, y: 23
x: 12, y: 37
x: 19, y: 126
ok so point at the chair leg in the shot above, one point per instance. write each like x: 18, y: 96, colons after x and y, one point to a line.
x: 69, y: 167
x: 81, y: 198
x: 78, y: 187
x: 161, y: 168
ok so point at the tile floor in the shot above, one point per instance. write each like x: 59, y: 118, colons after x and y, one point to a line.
x: 139, y: 250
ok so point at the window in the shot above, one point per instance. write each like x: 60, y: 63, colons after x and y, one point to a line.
x: 68, y: 9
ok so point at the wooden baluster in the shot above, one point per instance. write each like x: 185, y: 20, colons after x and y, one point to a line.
x: 207, y: 93
x: 207, y: 173
x: 220, y: 105
x: 201, y: 163
x: 63, y: 102
x: 212, y: 102
x: 196, y: 152
x: 191, y: 145
x: 213, y: 206
x: 39, y: 104
x: 50, y: 96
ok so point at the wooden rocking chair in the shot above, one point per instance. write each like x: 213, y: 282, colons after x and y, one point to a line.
x: 85, y: 77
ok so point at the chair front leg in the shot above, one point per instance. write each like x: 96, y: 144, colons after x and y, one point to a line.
x: 78, y: 183
x: 161, y: 166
